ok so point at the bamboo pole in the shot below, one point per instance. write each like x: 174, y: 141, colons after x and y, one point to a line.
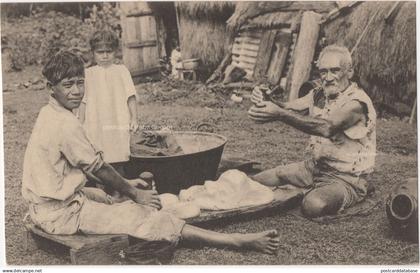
x: 413, y: 111
x: 178, y: 22
x: 364, y: 32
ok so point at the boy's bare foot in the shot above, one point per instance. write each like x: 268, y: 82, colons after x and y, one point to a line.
x: 267, y: 241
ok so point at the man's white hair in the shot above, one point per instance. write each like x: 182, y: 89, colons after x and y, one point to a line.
x: 345, y: 56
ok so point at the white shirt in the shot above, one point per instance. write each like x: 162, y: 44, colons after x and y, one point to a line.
x: 57, y: 156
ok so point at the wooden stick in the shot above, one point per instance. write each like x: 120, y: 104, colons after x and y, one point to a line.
x: 393, y: 12
x: 219, y: 70
x: 413, y: 111
x: 363, y: 33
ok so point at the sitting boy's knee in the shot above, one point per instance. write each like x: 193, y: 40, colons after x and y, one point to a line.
x: 313, y: 207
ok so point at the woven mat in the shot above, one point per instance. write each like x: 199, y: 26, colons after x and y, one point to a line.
x: 149, y: 253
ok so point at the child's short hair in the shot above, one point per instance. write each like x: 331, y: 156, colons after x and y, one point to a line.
x: 63, y: 65
x: 102, y: 38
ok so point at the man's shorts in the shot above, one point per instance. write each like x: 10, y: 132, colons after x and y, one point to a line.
x: 307, y: 174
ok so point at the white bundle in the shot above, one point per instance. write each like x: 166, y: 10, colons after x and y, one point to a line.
x: 234, y: 189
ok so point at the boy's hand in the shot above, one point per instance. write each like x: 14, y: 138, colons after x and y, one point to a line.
x: 134, y: 126
x: 138, y: 183
x: 148, y: 198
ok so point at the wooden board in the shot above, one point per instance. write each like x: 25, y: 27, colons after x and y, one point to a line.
x: 243, y: 65
x: 139, y: 39
x: 304, y: 51
x: 243, y: 59
x: 279, y: 56
x: 264, y: 54
x: 243, y: 52
x: 283, y: 199
x: 244, y: 46
x: 256, y: 34
x: 248, y: 40
x: 80, y: 248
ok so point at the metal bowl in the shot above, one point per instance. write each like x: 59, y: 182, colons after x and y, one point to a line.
x: 203, y: 152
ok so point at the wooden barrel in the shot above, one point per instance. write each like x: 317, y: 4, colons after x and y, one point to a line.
x: 139, y: 40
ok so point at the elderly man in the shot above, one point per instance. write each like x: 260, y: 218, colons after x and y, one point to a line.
x: 342, y: 125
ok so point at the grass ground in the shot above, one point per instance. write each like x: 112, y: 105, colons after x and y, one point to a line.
x: 360, y: 240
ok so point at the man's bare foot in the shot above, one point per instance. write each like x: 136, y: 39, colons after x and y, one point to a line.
x: 267, y: 241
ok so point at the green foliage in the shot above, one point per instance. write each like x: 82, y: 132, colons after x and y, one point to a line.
x: 106, y: 18
x: 33, y: 39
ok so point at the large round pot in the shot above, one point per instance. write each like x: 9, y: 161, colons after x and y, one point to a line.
x: 203, y: 152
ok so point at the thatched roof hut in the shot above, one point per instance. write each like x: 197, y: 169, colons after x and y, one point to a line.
x: 385, y: 59
x: 270, y: 28
x: 202, y: 31
x: 207, y: 29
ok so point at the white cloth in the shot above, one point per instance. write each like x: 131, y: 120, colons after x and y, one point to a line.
x: 107, y: 117
x: 58, y: 152
x: 234, y: 189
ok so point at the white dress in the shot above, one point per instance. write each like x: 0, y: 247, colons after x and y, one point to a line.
x: 107, y: 116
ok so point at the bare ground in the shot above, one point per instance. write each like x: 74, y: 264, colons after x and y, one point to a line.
x: 360, y: 240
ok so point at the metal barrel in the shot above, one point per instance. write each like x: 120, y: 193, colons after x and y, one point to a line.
x: 401, y: 209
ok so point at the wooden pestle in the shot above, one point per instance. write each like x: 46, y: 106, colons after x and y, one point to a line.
x: 149, y: 178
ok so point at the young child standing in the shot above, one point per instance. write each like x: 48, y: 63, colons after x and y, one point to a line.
x: 109, y: 110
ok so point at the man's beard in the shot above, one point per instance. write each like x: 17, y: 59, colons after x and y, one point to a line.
x: 331, y: 91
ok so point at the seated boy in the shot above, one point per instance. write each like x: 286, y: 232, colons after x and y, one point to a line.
x: 59, y: 158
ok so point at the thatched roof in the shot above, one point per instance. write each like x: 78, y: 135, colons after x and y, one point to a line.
x: 245, y: 12
x: 273, y: 20
x: 202, y: 30
x: 204, y: 39
x: 208, y: 9
x: 386, y: 55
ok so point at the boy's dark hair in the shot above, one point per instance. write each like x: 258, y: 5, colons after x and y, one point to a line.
x: 103, y: 38
x: 62, y: 65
